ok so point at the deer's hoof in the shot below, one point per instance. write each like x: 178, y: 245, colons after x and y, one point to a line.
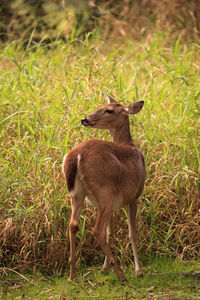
x: 122, y: 277
x: 72, y: 278
x: 139, y: 273
x: 105, y: 269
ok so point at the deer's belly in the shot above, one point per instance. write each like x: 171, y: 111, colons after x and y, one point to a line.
x: 118, y: 202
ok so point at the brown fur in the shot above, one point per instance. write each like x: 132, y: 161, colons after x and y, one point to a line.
x: 112, y: 161
x: 110, y: 174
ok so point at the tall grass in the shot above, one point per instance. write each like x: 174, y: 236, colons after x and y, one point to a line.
x: 45, y: 91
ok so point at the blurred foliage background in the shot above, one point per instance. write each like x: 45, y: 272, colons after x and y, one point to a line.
x: 119, y: 18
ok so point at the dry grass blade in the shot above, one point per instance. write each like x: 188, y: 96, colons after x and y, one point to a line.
x: 14, y: 271
x: 54, y: 89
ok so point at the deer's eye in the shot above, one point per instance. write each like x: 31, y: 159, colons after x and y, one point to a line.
x: 109, y: 111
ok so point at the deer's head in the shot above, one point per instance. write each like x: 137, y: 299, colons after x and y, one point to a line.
x: 112, y: 116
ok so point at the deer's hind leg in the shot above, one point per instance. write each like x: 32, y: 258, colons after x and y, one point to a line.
x: 104, y: 215
x: 76, y: 204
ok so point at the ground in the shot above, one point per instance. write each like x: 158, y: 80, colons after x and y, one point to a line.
x: 163, y: 279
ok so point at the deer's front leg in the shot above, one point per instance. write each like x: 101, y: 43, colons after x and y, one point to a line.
x: 76, y: 205
x: 132, y: 210
x: 106, y: 264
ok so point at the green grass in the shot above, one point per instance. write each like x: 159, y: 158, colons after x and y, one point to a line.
x: 44, y: 92
x: 163, y: 279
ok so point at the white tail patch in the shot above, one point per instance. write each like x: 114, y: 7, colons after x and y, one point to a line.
x: 63, y: 164
x: 78, y: 185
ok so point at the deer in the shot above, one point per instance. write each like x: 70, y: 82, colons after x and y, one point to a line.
x: 107, y: 175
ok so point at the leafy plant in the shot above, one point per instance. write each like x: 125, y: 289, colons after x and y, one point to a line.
x: 44, y: 92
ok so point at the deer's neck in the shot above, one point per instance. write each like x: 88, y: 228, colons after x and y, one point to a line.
x: 122, y: 135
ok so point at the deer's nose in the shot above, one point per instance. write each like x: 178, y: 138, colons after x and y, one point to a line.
x: 84, y: 121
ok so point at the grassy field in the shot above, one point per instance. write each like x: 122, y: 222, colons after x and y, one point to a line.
x: 45, y: 91
x: 163, y: 279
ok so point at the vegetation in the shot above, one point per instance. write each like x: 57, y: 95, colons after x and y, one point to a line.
x: 132, y: 18
x: 55, y: 61
x: 45, y: 91
x: 163, y: 279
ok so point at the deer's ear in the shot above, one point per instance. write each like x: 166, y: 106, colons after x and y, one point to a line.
x: 108, y: 98
x: 134, y: 107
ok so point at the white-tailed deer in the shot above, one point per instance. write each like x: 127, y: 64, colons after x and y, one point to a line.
x: 109, y: 175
